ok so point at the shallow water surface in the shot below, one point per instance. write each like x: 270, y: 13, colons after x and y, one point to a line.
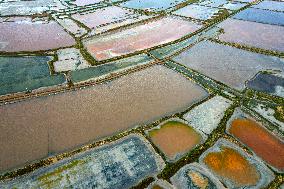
x: 270, y: 5
x: 108, y: 18
x: 18, y: 74
x: 267, y: 83
x: 86, y: 2
x: 82, y: 116
x: 230, y: 164
x: 261, y: 16
x: 139, y: 37
x: 252, y: 34
x: 175, y: 138
x: 262, y: 142
x: 31, y: 35
x: 151, y: 4
x: 227, y: 64
x: 197, y: 12
x: 123, y: 167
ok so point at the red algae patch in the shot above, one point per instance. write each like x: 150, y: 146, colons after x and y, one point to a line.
x: 175, y: 138
x: 82, y: 116
x: 232, y: 165
x: 31, y: 35
x: 264, y: 144
x: 139, y: 37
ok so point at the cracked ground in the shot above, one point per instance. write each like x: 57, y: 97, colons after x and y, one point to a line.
x: 170, y: 94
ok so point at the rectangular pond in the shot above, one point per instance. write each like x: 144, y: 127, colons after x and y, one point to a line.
x: 68, y: 120
x: 18, y: 74
x: 139, y: 37
x: 120, y: 164
x: 226, y: 64
x: 32, y: 35
x: 253, y: 34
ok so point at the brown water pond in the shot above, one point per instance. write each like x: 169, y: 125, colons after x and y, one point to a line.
x: 175, y: 138
x: 33, y: 128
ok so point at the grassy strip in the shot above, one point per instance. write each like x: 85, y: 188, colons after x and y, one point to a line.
x: 279, y: 113
x: 144, y: 183
x: 277, y: 182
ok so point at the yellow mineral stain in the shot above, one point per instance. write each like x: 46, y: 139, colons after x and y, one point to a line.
x: 175, y: 137
x: 198, y: 180
x: 50, y: 180
x: 279, y: 113
x: 228, y: 163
